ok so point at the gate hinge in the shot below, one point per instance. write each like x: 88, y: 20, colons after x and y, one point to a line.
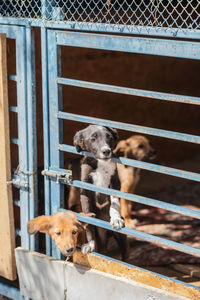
x: 61, y: 177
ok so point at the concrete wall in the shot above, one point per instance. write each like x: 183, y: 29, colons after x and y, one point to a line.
x: 43, y: 278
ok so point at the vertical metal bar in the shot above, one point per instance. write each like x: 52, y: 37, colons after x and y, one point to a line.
x: 32, y: 133
x: 22, y: 128
x: 45, y: 97
x: 55, y: 104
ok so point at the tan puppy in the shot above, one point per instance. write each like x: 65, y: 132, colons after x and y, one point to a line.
x: 63, y: 227
x: 135, y: 147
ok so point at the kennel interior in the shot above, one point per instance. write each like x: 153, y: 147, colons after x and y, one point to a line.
x: 132, y: 66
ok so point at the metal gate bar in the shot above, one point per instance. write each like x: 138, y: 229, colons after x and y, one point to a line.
x: 139, y: 164
x: 141, y: 236
x: 129, y: 91
x: 163, y: 47
x: 130, y: 127
x: 105, y: 28
x: 135, y: 45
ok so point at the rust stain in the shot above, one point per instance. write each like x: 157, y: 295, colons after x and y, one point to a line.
x: 138, y: 275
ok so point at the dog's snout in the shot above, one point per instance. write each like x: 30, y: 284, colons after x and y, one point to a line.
x: 153, y: 152
x: 69, y: 250
x: 106, y: 152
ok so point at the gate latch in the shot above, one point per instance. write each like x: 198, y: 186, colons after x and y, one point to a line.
x: 61, y: 176
x: 19, y: 181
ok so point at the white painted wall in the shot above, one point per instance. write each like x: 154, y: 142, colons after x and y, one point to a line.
x: 45, y: 278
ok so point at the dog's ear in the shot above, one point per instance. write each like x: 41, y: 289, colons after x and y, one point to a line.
x: 114, y: 133
x: 84, y: 225
x: 80, y: 226
x: 121, y: 148
x: 79, y: 140
x: 41, y: 224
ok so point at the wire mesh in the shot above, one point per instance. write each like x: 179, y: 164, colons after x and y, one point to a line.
x: 148, y: 13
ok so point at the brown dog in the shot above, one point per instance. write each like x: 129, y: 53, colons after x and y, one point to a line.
x: 136, y: 147
x: 63, y: 227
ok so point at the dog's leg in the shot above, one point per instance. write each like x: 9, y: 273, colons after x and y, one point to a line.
x: 115, y: 218
x: 123, y: 244
x: 126, y: 206
x: 90, y: 245
x: 86, y: 208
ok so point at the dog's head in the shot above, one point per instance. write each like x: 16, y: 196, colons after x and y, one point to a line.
x: 98, y: 140
x: 63, y: 227
x: 136, y: 147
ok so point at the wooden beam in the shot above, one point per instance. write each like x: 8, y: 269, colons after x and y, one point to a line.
x: 114, y: 267
x: 7, y: 231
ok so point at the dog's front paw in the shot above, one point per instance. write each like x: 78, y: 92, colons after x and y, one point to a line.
x: 88, y: 247
x: 131, y: 223
x: 117, y: 223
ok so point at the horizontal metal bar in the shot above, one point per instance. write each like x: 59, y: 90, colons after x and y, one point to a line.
x: 17, y: 202
x: 134, y: 198
x: 18, y: 231
x: 14, y: 140
x: 140, y: 164
x: 129, y: 91
x: 141, y: 236
x: 13, y: 109
x: 133, y: 44
x: 10, y: 291
x: 134, y: 128
x: 12, y: 77
x: 103, y: 27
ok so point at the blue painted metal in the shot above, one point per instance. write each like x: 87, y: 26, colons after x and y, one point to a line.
x: 21, y: 70
x: 16, y: 202
x: 10, y: 291
x: 13, y: 109
x: 45, y: 97
x: 133, y: 128
x: 128, y: 91
x: 12, y: 77
x: 55, y: 128
x: 26, y: 140
x: 140, y: 164
x: 14, y: 140
x: 132, y: 197
x: 140, y: 45
x: 106, y: 28
x: 18, y: 231
x: 31, y: 126
x: 52, y: 107
x: 170, y: 48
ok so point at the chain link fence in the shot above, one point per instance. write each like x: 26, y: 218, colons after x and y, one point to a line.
x: 149, y: 13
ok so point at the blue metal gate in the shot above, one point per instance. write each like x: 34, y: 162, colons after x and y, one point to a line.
x: 25, y: 176
x: 53, y: 123
x: 166, y: 37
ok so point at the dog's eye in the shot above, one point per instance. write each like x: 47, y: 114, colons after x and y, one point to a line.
x: 93, y: 140
x: 58, y: 233
x: 141, y: 146
x: 74, y: 232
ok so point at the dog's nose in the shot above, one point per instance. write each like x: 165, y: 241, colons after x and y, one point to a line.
x: 106, y: 152
x: 69, y: 250
x: 153, y: 152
